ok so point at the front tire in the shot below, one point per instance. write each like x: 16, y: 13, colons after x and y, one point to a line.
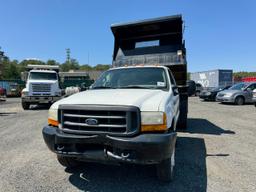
x: 239, y: 100
x: 25, y: 105
x: 68, y: 162
x: 165, y: 169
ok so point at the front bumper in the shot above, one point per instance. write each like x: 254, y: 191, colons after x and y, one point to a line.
x: 40, y: 99
x: 225, y: 99
x: 141, y: 149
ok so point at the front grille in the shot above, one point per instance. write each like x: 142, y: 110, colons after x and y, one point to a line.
x: 41, y: 87
x: 120, y: 120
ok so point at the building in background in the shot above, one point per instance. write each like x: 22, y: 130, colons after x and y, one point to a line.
x: 213, y: 78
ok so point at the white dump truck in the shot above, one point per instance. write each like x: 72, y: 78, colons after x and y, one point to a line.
x: 42, y: 85
x: 131, y: 113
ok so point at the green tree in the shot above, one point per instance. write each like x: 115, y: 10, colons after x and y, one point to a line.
x: 23, y: 64
x: 11, y: 69
x: 85, y: 67
x: 101, y: 67
x: 72, y: 65
x: 242, y: 74
x: 51, y: 62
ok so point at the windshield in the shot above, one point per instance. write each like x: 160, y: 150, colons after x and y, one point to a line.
x: 42, y: 76
x: 144, y: 78
x: 239, y: 86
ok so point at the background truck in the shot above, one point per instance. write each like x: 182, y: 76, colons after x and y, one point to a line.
x: 42, y: 85
x: 213, y: 78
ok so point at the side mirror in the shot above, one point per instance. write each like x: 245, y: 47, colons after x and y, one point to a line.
x: 175, y: 90
x: 249, y: 89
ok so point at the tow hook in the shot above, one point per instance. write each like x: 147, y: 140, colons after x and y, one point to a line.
x: 124, y: 156
x: 60, y: 147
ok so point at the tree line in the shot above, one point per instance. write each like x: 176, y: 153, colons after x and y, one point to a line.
x: 11, y: 69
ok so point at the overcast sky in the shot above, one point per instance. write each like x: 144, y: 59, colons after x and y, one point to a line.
x: 219, y: 34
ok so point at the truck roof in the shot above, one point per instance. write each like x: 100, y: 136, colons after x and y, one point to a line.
x: 147, y: 21
x: 43, y: 67
x: 42, y: 71
x: 140, y: 66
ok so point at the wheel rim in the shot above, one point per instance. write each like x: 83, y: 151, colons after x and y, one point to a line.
x: 239, y: 101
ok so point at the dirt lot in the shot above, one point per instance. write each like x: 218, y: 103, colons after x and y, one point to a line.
x: 216, y: 153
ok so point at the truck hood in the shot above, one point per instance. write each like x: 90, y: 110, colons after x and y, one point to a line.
x: 145, y: 99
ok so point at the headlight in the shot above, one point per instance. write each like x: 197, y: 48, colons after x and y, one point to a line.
x: 208, y: 93
x: 228, y: 94
x: 153, y: 121
x: 24, y: 93
x: 53, y: 117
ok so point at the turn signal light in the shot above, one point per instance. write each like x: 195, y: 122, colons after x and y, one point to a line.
x: 151, y: 128
x: 53, y: 122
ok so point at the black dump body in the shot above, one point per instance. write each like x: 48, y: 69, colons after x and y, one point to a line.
x: 156, y: 41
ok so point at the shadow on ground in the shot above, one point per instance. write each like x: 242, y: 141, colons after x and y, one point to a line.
x: 7, y: 114
x: 190, y: 173
x: 203, y: 126
x: 233, y: 104
x: 190, y: 169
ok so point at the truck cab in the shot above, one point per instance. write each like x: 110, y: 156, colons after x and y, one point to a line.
x: 130, y: 114
x: 42, y: 86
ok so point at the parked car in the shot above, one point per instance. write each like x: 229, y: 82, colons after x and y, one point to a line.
x: 210, y: 95
x: 239, y: 94
x: 199, y: 89
x: 254, y: 97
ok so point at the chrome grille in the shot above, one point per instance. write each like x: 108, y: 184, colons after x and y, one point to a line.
x: 40, y: 87
x: 107, y: 119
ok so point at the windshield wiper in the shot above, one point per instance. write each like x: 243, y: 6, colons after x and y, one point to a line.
x: 103, y: 87
x: 134, y: 87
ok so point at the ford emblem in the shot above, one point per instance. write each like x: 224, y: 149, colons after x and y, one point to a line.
x: 91, y: 121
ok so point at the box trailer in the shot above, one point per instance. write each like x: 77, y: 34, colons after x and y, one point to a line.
x: 213, y: 78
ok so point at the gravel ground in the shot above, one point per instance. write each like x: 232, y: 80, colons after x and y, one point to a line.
x: 216, y: 153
